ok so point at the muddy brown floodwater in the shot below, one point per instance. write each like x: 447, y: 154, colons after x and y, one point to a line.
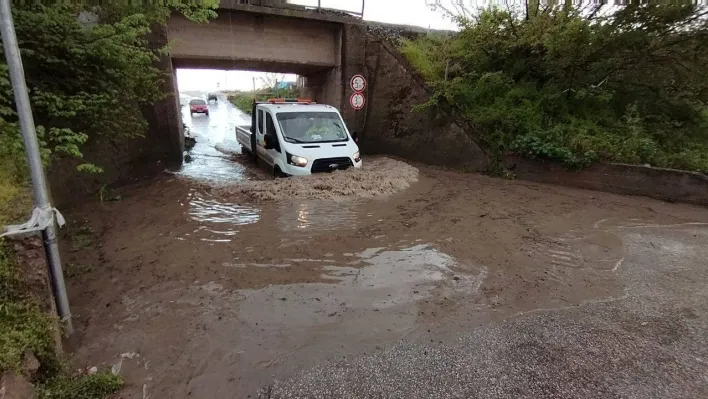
x: 204, y: 292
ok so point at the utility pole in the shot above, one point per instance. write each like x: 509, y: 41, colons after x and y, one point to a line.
x: 29, y: 135
x: 254, y: 88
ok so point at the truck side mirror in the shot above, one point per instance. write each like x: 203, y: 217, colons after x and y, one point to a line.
x: 355, y: 136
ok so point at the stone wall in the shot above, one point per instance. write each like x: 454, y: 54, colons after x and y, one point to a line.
x: 664, y: 184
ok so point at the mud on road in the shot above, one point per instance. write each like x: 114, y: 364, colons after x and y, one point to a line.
x: 458, y: 285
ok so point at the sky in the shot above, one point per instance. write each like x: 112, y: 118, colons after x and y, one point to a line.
x: 408, y: 12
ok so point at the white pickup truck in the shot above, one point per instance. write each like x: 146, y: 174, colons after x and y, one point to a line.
x: 298, y: 137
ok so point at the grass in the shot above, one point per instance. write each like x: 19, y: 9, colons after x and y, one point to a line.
x: 96, y: 386
x: 83, y: 238
x: 15, y: 202
x: 72, y: 270
x: 244, y: 102
x: 25, y: 327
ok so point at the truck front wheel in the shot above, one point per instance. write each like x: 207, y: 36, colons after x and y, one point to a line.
x: 277, y: 173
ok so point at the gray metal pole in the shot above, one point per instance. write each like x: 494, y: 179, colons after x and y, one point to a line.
x: 41, y: 193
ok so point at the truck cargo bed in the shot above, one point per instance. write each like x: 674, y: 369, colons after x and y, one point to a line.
x: 243, y: 136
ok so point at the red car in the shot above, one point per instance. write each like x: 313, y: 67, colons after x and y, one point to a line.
x: 198, y: 107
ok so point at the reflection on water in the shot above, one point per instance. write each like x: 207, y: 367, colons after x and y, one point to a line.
x: 214, y: 211
x: 212, y: 162
x: 390, y: 280
x: 316, y: 215
x: 208, y: 211
x: 211, y: 157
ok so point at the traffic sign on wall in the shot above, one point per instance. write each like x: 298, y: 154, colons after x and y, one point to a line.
x: 357, y: 100
x: 358, y: 83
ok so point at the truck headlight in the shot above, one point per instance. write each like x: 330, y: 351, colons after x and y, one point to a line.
x: 356, y: 157
x: 298, y: 161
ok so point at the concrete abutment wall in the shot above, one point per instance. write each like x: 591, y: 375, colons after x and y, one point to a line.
x: 388, y: 123
x: 245, y: 40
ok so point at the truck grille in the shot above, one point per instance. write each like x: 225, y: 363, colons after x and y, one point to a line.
x: 327, y: 164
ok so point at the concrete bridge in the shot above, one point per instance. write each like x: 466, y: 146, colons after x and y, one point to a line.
x: 273, y: 37
x: 327, y: 48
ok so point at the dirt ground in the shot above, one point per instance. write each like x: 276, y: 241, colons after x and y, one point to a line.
x: 219, y: 296
x: 193, y: 291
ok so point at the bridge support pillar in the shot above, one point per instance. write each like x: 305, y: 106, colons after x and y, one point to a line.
x: 164, y: 117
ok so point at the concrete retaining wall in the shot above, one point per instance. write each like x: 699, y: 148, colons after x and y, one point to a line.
x: 664, y: 184
x: 388, y: 124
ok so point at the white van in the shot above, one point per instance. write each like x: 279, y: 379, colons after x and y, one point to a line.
x: 298, y: 137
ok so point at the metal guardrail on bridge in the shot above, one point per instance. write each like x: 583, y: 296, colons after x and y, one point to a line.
x: 351, y: 7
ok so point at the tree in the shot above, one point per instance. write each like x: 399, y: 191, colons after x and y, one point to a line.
x: 88, y: 71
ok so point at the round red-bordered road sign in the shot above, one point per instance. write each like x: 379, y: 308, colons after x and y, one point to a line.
x: 358, y: 83
x: 357, y: 100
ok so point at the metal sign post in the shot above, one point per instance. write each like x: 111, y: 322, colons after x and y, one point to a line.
x: 41, y: 194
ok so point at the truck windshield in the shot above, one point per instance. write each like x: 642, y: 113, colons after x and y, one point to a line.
x: 312, y: 127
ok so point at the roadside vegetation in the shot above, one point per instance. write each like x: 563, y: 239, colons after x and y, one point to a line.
x: 577, y: 85
x: 27, y: 334
x: 243, y: 100
x: 89, y: 70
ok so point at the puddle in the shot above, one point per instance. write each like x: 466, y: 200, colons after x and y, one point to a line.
x: 316, y: 216
x: 392, y: 280
x: 205, y: 209
x: 218, y: 220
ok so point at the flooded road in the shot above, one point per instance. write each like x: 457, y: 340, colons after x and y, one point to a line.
x: 216, y: 145
x: 459, y: 285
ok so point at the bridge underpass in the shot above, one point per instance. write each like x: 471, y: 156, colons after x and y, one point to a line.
x: 240, y: 39
x: 327, y: 49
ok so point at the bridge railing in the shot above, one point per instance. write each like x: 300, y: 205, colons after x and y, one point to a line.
x: 351, y: 7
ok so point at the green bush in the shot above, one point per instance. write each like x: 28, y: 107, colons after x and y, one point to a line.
x: 577, y: 87
x: 85, y: 80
